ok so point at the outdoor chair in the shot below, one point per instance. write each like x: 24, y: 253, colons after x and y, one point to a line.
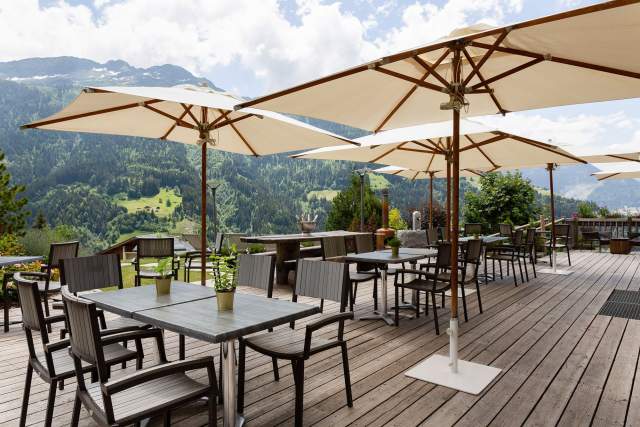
x: 149, y: 392
x: 432, y: 237
x: 155, y: 248
x: 316, y: 279
x: 562, y: 242
x: 529, y: 252
x: 365, y: 243
x: 335, y: 249
x: 471, y: 229
x: 432, y: 283
x: 510, y: 253
x: 193, y: 259
x: 52, y: 363
x: 592, y: 236
x: 469, y: 265
x: 44, y: 278
x: 506, y: 230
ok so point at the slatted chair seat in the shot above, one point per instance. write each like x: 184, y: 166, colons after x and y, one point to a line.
x: 150, y: 397
x: 427, y: 285
x: 287, y: 343
x: 358, y: 276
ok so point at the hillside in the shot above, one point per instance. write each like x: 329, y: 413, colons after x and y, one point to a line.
x: 98, y: 183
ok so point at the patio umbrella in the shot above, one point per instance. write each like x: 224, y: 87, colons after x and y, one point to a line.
x: 604, y: 175
x: 190, y: 115
x: 578, y: 56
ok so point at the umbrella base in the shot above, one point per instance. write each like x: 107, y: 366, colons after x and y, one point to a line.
x: 467, y: 292
x: 471, y: 377
x: 557, y: 271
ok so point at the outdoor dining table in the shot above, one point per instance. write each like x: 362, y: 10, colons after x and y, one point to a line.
x: 383, y: 259
x: 6, y: 261
x: 288, y: 246
x: 192, y: 310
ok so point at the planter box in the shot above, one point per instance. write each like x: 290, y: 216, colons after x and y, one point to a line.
x: 620, y: 246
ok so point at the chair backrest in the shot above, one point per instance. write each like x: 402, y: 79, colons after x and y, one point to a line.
x: 218, y: 239
x: 322, y: 279
x: 60, y: 251
x: 443, y: 260
x: 91, y: 272
x: 364, y: 243
x: 256, y: 271
x: 155, y: 247
x: 333, y: 247
x: 562, y: 230
x: 84, y: 333
x: 473, y: 250
x: 32, y: 312
x: 193, y: 240
x: 432, y: 236
x: 517, y: 238
x: 531, y: 236
x: 472, y: 228
x: 506, y: 230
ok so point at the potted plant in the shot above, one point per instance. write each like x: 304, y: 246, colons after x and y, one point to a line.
x: 163, y: 280
x: 225, y: 278
x: 394, y: 243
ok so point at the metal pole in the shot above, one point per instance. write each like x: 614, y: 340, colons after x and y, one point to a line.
x: 203, y: 195
x: 448, y: 200
x: 550, y: 167
x: 431, y: 199
x: 361, y: 202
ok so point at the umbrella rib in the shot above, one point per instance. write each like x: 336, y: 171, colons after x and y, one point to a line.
x: 414, y: 176
x: 235, y: 129
x: 413, y: 80
x: 410, y: 92
x: 546, y: 147
x: 508, y: 73
x: 173, y: 126
x: 89, y: 114
x: 487, y: 54
x: 482, y: 80
x: 432, y: 69
x: 230, y: 121
x: 481, y: 151
x: 415, y: 150
x: 615, y: 156
x: 433, y: 144
x: 177, y: 120
x: 565, y: 61
x: 423, y: 145
x: 485, y: 142
x: 386, y: 153
x: 608, y: 176
x: 433, y: 156
x: 188, y: 110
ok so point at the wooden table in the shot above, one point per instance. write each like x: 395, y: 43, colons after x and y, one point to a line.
x: 288, y: 247
x: 189, y: 311
x: 6, y: 261
x: 383, y: 259
x: 619, y: 246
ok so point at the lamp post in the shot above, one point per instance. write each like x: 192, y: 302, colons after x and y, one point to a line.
x: 361, y: 173
x: 213, y: 189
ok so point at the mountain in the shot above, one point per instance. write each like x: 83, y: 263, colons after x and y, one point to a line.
x: 107, y: 187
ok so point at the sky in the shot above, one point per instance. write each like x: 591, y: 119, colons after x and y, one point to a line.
x: 253, y: 47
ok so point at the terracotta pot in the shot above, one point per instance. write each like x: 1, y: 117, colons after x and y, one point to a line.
x: 395, y: 251
x: 163, y: 286
x: 225, y: 300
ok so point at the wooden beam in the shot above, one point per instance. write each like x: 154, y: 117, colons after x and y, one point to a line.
x: 628, y: 159
x: 229, y: 121
x: 508, y: 73
x: 89, y: 114
x: 415, y: 150
x: 386, y: 153
x: 487, y: 55
x: 413, y: 80
x: 608, y: 176
x: 485, y: 142
x: 432, y: 70
x: 173, y: 126
x: 193, y: 117
x: 244, y: 140
x: 495, y: 166
x: 178, y: 121
x: 485, y: 84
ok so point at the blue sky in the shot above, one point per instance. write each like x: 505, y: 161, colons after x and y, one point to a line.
x: 252, y: 47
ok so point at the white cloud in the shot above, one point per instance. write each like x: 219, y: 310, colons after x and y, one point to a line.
x: 201, y: 35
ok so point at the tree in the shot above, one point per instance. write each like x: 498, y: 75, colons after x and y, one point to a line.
x: 40, y: 222
x: 502, y: 198
x: 345, y: 208
x: 395, y: 220
x: 12, y: 206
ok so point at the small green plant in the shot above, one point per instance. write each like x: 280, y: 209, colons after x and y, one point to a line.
x: 394, y: 242
x: 225, y: 272
x: 164, y: 267
x: 256, y: 248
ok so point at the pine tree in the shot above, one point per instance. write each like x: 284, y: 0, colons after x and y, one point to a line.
x: 40, y: 222
x: 12, y: 207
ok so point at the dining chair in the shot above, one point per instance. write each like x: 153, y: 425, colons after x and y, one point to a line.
x: 510, y: 253
x: 316, y: 279
x: 366, y: 243
x: 471, y: 229
x: 562, y: 241
x: 154, y: 391
x: 334, y: 248
x: 193, y: 259
x: 52, y: 362
x: 156, y: 248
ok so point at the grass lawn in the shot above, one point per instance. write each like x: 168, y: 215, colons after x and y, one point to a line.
x: 378, y: 182
x: 128, y: 273
x: 157, y: 203
x: 328, y: 195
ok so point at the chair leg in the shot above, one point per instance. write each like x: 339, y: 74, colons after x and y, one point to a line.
x: 375, y: 293
x: 520, y: 268
x: 347, y: 376
x: 515, y: 277
x: 213, y: 410
x: 435, y: 312
x: 241, y: 366
x: 417, y: 303
x: 220, y: 395
x: 181, y: 347
x: 526, y: 271
x: 276, y: 372
x: 442, y: 299
x: 166, y: 419
x: 533, y: 265
x: 396, y: 309
x: 51, y: 402
x: 568, y: 255
x: 75, y: 415
x: 298, y: 377
x: 500, y: 265
x: 5, y: 301
x: 25, y: 396
x: 478, y: 292
x: 464, y: 303
x: 486, y: 278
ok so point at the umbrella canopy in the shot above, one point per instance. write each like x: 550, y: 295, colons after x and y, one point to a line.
x: 190, y: 115
x: 427, y: 147
x: 579, y: 56
x: 601, y: 176
x: 425, y: 174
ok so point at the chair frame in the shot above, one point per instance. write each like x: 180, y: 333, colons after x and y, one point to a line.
x: 564, y: 238
x: 175, y: 264
x: 196, y: 255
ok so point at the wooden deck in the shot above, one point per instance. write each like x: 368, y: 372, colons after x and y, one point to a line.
x: 562, y: 364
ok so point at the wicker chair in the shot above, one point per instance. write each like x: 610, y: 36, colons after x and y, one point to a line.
x: 193, y: 259
x: 317, y: 279
x: 335, y: 249
x: 562, y: 241
x: 471, y: 229
x: 156, y: 248
x: 506, y: 230
x: 156, y: 391
x: 52, y: 364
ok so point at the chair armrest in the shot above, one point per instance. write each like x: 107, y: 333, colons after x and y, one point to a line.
x: 321, y: 323
x: 195, y: 254
x: 156, y: 372
x: 58, y: 345
x: 335, y: 259
x: 410, y: 271
x: 119, y: 335
x: 54, y: 319
x: 27, y: 274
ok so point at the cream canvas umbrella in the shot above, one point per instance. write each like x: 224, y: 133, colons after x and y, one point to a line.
x: 604, y: 175
x: 579, y: 56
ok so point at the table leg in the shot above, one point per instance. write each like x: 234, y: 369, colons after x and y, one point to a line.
x: 285, y: 251
x: 230, y: 414
x: 384, y: 313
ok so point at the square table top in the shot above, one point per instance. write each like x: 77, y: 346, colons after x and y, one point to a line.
x: 11, y: 260
x: 125, y: 302
x: 201, y: 319
x: 385, y: 257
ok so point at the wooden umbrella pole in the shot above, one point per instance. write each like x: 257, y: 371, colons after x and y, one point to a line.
x: 203, y: 207
x: 431, y: 199
x: 448, y: 199
x: 550, y: 168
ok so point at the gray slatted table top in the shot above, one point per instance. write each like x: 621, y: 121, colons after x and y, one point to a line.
x: 201, y: 319
x: 12, y: 260
x: 385, y: 257
x: 487, y: 240
x: 125, y: 302
x: 300, y: 237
